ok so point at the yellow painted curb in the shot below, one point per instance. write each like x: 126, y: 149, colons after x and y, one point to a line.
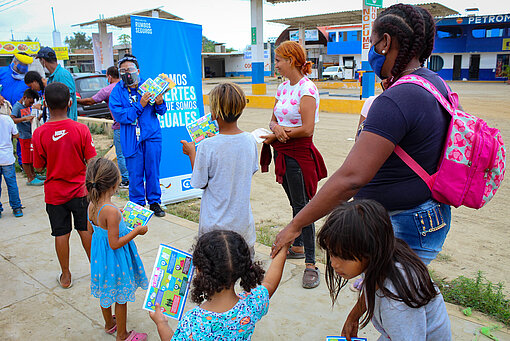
x: 337, y: 85
x: 258, y: 89
x: 345, y: 106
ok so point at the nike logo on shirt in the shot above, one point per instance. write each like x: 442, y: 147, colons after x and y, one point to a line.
x: 58, y: 135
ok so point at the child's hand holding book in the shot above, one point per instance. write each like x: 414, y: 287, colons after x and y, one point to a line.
x: 141, y: 230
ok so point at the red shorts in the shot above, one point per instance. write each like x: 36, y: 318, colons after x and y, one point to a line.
x: 27, y: 150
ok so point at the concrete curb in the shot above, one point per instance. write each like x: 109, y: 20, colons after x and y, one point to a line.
x: 344, y: 106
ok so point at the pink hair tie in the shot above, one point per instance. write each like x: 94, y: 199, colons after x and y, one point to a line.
x: 305, y: 63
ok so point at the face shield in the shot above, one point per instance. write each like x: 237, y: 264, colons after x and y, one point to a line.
x: 19, y: 65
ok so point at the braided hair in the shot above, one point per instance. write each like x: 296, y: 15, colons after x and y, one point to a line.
x: 221, y: 258
x: 408, y: 26
x: 430, y: 34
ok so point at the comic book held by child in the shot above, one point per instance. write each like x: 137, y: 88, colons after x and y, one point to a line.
x: 170, y: 281
x: 341, y: 338
x: 199, y: 128
x: 157, y: 86
x: 135, y: 214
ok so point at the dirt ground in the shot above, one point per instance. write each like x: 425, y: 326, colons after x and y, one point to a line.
x: 478, y: 239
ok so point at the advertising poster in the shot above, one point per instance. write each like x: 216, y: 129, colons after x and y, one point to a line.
x: 173, y: 48
x: 12, y: 47
x: 62, y: 53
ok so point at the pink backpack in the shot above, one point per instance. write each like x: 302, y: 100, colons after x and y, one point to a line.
x: 472, y: 164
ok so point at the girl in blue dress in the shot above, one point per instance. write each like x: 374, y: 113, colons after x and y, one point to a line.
x: 116, y: 268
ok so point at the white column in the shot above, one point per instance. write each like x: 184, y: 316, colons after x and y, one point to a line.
x: 257, y: 48
x: 106, y: 46
x: 302, y: 35
x: 57, y: 42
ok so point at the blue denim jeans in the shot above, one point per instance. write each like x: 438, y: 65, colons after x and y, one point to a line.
x: 121, y: 161
x: 9, y: 173
x: 423, y: 228
x: 294, y: 186
x: 18, y: 153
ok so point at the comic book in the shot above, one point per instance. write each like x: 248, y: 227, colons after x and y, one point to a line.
x: 341, y: 338
x: 199, y: 128
x: 135, y: 214
x: 159, y: 85
x: 170, y: 281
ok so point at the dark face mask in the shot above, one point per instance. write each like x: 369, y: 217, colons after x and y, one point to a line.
x: 130, y: 78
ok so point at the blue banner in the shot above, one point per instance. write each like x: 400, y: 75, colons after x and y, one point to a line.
x: 174, y: 48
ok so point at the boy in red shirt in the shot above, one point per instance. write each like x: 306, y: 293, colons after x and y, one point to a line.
x: 64, y: 147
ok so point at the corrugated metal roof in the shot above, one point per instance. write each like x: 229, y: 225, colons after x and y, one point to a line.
x: 124, y: 20
x: 352, y: 17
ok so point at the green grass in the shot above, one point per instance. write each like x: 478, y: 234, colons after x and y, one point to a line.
x: 444, y: 258
x: 96, y: 129
x: 477, y: 293
x: 189, y: 209
x: 266, y: 232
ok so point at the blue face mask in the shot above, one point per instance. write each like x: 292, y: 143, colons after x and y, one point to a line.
x: 376, y: 60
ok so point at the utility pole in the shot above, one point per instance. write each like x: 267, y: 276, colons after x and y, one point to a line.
x: 12, y: 35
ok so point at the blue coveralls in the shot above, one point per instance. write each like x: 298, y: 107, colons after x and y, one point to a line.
x: 12, y: 90
x: 143, y: 154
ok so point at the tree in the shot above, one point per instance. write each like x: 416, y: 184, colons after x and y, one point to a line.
x: 79, y: 41
x: 207, y: 45
x: 124, y: 39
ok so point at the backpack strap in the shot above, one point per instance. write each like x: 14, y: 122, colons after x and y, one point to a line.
x: 450, y: 106
x: 420, y: 81
x: 422, y: 173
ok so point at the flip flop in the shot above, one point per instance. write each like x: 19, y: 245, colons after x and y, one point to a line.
x: 311, y: 278
x: 295, y: 255
x: 113, y: 329
x: 59, y: 283
x: 134, y: 336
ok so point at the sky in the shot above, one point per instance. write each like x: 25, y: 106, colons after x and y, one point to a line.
x: 225, y: 21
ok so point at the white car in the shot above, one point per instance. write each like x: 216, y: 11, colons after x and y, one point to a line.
x: 333, y: 72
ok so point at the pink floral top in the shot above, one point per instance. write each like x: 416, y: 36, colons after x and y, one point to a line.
x: 286, y: 110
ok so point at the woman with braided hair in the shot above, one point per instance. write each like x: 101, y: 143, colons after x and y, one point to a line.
x: 406, y: 115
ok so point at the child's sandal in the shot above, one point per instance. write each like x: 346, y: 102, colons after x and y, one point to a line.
x: 134, y: 336
x: 113, y: 329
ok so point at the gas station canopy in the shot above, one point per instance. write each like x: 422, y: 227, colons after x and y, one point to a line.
x: 352, y: 17
x: 124, y: 20
x: 282, y: 1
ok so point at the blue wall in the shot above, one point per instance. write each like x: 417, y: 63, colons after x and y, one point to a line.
x: 466, y: 42
x: 345, y: 47
x: 483, y: 74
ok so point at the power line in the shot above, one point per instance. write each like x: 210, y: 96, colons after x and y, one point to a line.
x: 8, y: 2
x: 19, y: 3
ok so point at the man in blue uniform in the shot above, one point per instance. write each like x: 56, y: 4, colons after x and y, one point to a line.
x: 140, y: 134
x: 13, y: 83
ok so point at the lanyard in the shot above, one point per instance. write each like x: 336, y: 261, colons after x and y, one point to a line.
x: 133, y: 98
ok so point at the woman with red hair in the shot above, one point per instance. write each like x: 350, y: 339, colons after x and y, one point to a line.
x: 298, y: 164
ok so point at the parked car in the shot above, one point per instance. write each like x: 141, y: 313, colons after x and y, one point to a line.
x: 87, y: 85
x: 333, y: 72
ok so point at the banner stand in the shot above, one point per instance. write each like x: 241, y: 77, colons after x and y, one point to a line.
x: 174, y: 48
